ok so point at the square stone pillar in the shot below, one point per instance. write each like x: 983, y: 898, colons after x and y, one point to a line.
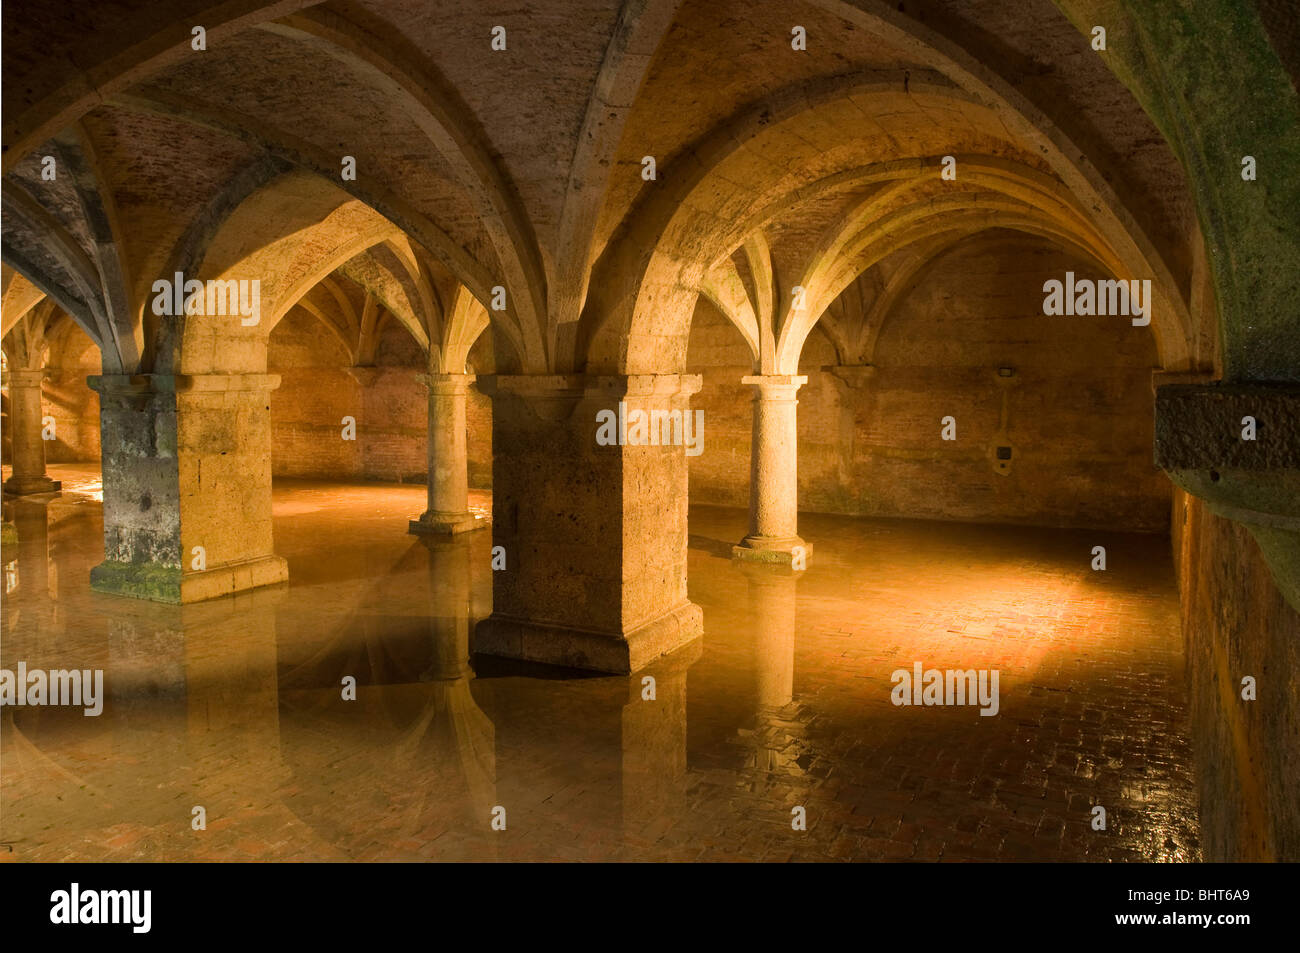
x: 594, y: 536
x: 187, y: 486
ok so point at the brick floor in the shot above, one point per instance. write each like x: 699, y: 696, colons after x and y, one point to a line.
x: 235, y: 705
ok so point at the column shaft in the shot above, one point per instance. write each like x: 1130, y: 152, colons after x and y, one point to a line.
x: 448, y: 511
x: 28, y: 443
x: 774, y: 474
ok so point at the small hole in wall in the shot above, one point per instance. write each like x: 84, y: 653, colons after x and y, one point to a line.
x: 146, y: 502
x: 1004, y: 453
x: 1214, y: 476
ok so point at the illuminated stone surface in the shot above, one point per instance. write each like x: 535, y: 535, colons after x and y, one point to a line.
x: 235, y: 704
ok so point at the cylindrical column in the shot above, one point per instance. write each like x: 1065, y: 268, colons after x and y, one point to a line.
x: 774, y: 474
x: 448, y: 511
x: 28, y: 444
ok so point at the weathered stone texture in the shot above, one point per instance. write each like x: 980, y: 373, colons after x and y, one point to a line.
x: 1235, y: 624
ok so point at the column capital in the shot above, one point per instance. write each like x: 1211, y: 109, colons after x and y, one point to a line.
x: 447, y: 385
x: 854, y: 375
x: 635, y: 386
x: 774, y: 386
x: 555, y: 396
x: 142, y: 385
x: 26, y: 377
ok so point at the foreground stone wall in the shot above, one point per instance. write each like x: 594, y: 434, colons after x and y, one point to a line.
x: 1078, y: 408
x: 1236, y: 623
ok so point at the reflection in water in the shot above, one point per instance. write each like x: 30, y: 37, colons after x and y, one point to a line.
x: 425, y: 750
x: 770, y: 601
x: 237, y: 705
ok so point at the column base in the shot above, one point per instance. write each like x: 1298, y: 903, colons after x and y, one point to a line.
x: 780, y: 550
x: 171, y: 585
x: 31, y: 486
x: 446, y: 524
x: 614, y: 652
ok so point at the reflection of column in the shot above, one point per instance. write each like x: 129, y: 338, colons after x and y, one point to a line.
x: 450, y: 747
x: 448, y: 511
x: 233, y: 702
x: 774, y: 474
x: 9, y: 556
x: 449, y: 588
x: 654, y: 741
x: 28, y: 446
x: 28, y: 572
x: 772, y: 592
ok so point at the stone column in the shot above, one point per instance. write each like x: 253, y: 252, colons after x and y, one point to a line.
x: 187, y: 486
x: 28, y: 445
x: 594, y: 535
x: 448, y: 511
x: 774, y: 475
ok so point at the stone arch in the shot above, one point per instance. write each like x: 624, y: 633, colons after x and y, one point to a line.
x: 672, y: 235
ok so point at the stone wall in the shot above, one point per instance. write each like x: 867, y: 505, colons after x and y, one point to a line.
x: 1236, y: 623
x: 68, y: 399
x: 319, y: 387
x: 1078, y: 408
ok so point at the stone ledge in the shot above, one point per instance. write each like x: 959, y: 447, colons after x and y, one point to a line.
x: 1198, y: 426
x: 613, y: 652
x: 31, y: 486
x: 171, y: 585
x: 771, y: 550
x: 446, y: 524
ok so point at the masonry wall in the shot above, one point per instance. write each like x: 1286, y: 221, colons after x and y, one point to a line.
x: 319, y: 387
x: 72, y: 357
x: 1078, y: 410
x: 70, y: 401
x: 1236, y: 623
